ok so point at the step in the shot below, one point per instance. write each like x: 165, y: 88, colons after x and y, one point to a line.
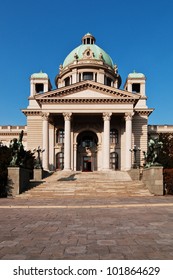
x: 56, y: 186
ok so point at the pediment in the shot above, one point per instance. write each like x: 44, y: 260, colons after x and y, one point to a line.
x: 87, y: 90
x: 87, y: 93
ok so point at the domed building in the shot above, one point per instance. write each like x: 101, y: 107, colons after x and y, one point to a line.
x: 88, y: 123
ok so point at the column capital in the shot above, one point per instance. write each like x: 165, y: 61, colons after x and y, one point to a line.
x: 107, y: 116
x: 128, y: 116
x: 67, y: 116
x: 45, y: 116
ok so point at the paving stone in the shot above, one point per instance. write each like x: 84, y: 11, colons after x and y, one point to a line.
x: 106, y: 242
x: 87, y: 227
x: 14, y: 257
x: 75, y: 250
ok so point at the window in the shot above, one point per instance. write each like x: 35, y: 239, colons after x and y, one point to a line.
x: 108, y: 81
x: 114, y: 136
x: 136, y: 88
x: 39, y: 88
x: 114, y: 160
x: 60, y: 161
x: 67, y: 81
x: 87, y: 141
x: 87, y: 76
x: 60, y: 136
x: 95, y: 77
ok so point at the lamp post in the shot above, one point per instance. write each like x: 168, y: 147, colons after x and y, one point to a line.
x: 134, y: 151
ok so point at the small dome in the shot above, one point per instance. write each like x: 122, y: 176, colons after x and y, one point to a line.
x: 136, y: 75
x: 39, y: 75
x: 88, y: 44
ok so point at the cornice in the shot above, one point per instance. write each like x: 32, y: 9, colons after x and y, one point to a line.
x: 87, y: 101
x: 144, y: 112
x: 11, y: 133
x: 77, y: 87
x: 29, y: 112
x: 85, y: 63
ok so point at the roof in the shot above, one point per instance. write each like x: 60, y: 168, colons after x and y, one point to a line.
x: 39, y: 75
x: 136, y: 75
x: 98, y: 53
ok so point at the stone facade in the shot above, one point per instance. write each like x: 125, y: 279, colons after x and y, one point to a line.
x: 9, y: 132
x: 87, y: 123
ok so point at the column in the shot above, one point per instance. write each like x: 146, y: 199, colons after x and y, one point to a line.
x: 32, y: 88
x: 75, y: 155
x: 106, y: 141
x: 129, y: 87
x: 128, y: 128
x: 45, y: 162
x: 51, y: 147
x: 67, y: 141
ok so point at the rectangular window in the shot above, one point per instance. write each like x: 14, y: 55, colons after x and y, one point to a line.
x: 87, y: 76
x: 136, y: 88
x: 39, y: 88
x: 108, y: 81
x: 60, y: 136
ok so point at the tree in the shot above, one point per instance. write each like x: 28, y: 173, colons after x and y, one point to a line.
x: 5, y: 158
x: 166, y: 153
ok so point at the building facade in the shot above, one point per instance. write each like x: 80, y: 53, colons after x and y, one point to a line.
x: 88, y: 123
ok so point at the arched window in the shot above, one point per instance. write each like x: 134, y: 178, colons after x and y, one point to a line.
x: 114, y: 160
x: 60, y: 136
x: 67, y: 81
x: 114, y: 136
x: 60, y: 161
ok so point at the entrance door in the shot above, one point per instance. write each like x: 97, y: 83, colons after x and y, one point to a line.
x: 87, y: 164
x: 87, y: 151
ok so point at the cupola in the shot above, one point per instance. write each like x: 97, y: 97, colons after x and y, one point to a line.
x: 88, y: 62
x: 135, y: 83
x: 88, y: 39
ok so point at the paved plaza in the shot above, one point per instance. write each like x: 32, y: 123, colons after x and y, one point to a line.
x: 87, y: 228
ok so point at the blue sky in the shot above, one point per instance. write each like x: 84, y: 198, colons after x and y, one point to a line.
x: 38, y: 34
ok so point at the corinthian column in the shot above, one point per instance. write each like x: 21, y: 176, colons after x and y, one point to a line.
x: 106, y: 141
x: 45, y: 162
x: 67, y: 141
x: 128, y: 127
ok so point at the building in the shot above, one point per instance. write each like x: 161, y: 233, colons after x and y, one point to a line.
x: 9, y: 132
x: 87, y: 123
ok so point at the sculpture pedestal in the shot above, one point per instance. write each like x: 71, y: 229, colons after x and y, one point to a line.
x: 18, y: 180
x: 153, y: 179
x: 38, y: 174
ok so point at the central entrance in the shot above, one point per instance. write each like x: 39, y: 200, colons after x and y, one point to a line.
x: 87, y: 151
x: 87, y: 164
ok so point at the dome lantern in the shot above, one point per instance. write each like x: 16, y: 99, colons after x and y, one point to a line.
x: 88, y: 39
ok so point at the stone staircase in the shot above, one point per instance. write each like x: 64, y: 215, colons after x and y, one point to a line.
x: 89, y: 184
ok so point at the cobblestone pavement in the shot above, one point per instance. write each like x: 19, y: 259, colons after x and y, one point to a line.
x: 83, y: 228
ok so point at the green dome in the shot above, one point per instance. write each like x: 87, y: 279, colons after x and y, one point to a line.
x: 82, y: 48
x: 39, y: 75
x: 136, y: 75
